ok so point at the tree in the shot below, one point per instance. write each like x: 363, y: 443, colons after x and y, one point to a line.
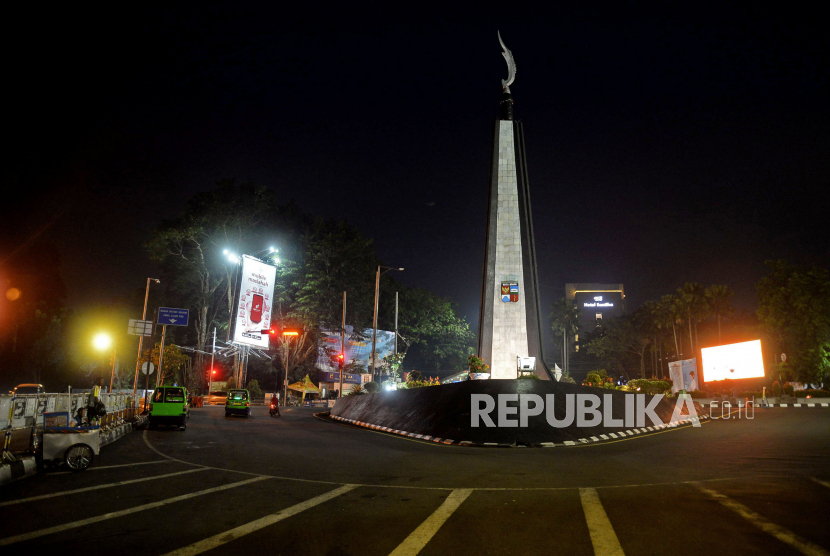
x: 172, y: 365
x: 191, y: 246
x: 692, y: 303
x: 333, y: 257
x: 564, y: 317
x: 428, y: 321
x: 668, y: 314
x: 792, y: 307
x: 720, y: 304
x: 622, y: 338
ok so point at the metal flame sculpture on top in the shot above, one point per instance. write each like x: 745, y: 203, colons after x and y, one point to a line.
x: 511, y: 66
x: 510, y: 318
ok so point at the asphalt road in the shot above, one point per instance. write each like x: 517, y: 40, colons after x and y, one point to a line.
x: 301, y: 485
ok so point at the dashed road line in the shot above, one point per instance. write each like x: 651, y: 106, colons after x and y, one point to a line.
x: 781, y: 533
x: 112, y: 515
x: 603, y: 537
x: 233, y: 534
x: 98, y: 487
x: 419, y: 538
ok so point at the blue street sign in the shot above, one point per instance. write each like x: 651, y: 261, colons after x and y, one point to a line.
x: 174, y: 317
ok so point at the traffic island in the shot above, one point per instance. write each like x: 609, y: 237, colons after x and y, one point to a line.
x: 514, y: 413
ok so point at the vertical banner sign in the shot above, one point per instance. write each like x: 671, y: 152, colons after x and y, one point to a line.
x: 256, y: 299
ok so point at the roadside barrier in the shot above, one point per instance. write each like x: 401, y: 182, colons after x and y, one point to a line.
x: 21, y: 416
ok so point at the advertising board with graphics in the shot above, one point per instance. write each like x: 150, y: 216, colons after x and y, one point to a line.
x: 256, y: 296
x: 683, y: 374
x: 358, y: 350
x: 733, y: 361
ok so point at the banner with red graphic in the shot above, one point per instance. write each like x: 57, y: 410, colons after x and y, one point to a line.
x: 256, y: 297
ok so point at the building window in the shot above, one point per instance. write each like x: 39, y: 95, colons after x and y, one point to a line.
x: 576, y: 337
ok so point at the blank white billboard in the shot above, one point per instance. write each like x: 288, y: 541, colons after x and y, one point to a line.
x: 742, y: 360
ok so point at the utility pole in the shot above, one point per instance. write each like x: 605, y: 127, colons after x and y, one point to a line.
x: 112, y: 374
x: 161, y: 353
x: 375, y: 321
x: 210, y: 371
x: 342, y: 346
x: 396, y: 323
x: 141, y: 338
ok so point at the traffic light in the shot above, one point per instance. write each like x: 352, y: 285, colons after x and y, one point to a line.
x: 340, y: 359
x: 213, y: 372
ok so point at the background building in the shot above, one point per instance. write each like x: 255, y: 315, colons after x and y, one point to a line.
x: 596, y: 302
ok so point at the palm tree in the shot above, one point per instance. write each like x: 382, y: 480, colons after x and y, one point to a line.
x: 719, y: 298
x: 693, y: 303
x: 669, y: 315
x: 564, y: 318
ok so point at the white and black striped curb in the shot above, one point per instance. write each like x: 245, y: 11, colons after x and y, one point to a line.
x: 716, y: 406
x: 589, y: 440
x: 111, y: 434
x: 23, y: 467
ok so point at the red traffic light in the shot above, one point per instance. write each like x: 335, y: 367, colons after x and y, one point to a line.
x: 340, y: 357
x: 213, y: 372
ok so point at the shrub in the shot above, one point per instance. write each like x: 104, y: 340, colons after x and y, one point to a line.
x: 645, y: 386
x: 356, y: 390
x: 788, y: 389
x: 776, y: 389
x: 422, y: 383
x: 254, y: 389
x: 567, y: 380
x: 812, y: 393
x: 477, y: 364
x: 595, y: 378
x: 698, y: 394
x: 371, y: 387
x: 414, y: 376
x: 529, y: 376
x: 751, y: 394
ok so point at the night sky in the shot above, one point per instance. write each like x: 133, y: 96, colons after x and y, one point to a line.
x: 664, y: 144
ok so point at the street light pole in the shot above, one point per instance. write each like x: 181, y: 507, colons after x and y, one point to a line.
x: 141, y: 338
x: 375, y: 318
x: 342, y: 347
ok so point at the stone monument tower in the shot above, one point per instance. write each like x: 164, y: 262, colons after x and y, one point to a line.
x: 510, y: 319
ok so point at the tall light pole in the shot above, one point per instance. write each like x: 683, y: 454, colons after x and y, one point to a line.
x: 375, y: 318
x: 141, y: 338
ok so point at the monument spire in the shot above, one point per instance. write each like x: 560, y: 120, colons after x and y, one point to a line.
x: 510, y: 322
x: 506, y: 97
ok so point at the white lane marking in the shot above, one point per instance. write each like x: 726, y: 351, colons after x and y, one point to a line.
x: 112, y: 515
x: 96, y: 487
x: 603, y: 537
x: 819, y: 481
x: 782, y: 534
x: 419, y: 538
x: 97, y: 468
x: 228, y: 536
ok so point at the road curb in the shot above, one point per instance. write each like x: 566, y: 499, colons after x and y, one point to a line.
x: 759, y: 406
x: 582, y: 441
x: 13, y: 470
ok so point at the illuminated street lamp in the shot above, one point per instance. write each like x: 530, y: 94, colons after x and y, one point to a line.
x: 102, y: 342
